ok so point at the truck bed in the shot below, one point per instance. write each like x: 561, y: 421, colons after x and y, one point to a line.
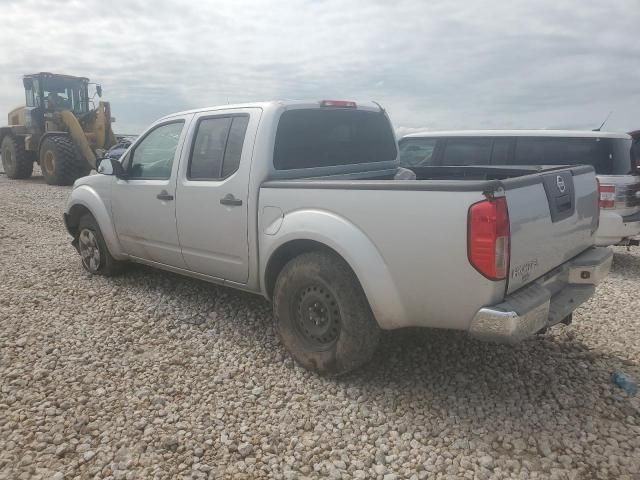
x: 426, y: 257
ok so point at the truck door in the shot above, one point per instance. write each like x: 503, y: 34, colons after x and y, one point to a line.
x: 212, y: 193
x: 143, y: 203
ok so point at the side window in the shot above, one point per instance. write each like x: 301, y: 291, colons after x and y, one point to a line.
x: 561, y: 151
x: 502, y: 151
x: 417, y: 152
x: 217, y: 147
x: 208, y: 148
x: 530, y: 151
x: 234, y: 145
x: 153, y: 157
x: 467, y: 151
x: 31, y: 99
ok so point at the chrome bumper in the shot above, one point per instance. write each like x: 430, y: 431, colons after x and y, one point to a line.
x: 545, y: 302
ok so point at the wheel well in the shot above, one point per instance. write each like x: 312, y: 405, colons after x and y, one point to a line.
x: 8, y: 131
x: 289, y: 251
x: 73, y: 218
x: 3, y: 132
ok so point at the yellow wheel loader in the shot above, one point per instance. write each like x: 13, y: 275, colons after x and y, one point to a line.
x: 60, y: 128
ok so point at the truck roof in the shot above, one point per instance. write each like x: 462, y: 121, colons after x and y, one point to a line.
x: 518, y: 133
x: 369, y: 106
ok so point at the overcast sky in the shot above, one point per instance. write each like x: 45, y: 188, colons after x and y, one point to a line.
x: 436, y: 64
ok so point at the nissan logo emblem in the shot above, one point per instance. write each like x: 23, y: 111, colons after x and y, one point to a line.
x: 561, y: 185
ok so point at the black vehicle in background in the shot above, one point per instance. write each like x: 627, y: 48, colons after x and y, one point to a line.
x: 123, y: 142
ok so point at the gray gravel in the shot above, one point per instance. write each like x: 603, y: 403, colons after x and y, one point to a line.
x: 150, y: 375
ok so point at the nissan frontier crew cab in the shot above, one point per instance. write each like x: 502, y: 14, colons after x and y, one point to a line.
x: 305, y: 204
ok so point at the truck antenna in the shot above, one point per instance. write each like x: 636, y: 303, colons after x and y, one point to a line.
x: 379, y: 106
x: 602, y: 124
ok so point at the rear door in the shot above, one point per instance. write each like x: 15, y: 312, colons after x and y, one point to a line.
x: 553, y: 217
x: 212, y: 193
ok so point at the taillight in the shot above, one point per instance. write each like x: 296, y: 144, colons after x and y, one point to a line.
x: 338, y: 104
x: 488, y: 238
x: 607, y: 195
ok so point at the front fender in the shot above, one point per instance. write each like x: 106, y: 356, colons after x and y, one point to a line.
x: 88, y: 198
x: 352, y: 244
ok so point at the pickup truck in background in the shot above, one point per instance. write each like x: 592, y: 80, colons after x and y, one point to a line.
x: 302, y: 202
x: 611, y: 154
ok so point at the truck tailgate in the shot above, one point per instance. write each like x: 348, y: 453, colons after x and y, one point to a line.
x: 553, y: 217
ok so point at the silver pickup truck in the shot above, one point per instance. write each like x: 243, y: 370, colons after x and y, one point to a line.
x: 304, y: 203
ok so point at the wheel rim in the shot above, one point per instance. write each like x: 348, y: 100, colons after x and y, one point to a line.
x: 7, y: 157
x: 318, y: 317
x: 89, y: 249
x: 49, y: 162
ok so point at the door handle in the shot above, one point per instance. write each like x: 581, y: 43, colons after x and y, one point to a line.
x: 230, y: 200
x: 164, y: 195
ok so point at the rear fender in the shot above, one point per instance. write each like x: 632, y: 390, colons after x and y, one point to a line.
x: 16, y: 130
x: 85, y: 196
x: 351, y: 244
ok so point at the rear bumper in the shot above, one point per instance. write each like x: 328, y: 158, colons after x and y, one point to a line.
x: 545, y: 302
x: 615, y: 228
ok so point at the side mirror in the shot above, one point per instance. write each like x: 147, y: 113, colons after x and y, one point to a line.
x: 111, y: 166
x: 99, y: 90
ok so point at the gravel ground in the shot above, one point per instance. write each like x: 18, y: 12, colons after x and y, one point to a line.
x: 151, y: 375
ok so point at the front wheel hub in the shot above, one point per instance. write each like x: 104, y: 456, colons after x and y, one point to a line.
x: 49, y: 163
x: 7, y: 157
x: 318, y: 316
x: 89, y: 249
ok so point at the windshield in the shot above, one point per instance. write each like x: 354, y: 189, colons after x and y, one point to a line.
x: 332, y: 137
x: 65, y: 94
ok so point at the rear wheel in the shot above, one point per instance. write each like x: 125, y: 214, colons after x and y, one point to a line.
x: 322, y: 315
x: 60, y: 162
x: 93, y: 251
x: 16, y: 162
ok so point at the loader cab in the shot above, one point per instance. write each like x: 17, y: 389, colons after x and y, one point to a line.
x: 48, y: 93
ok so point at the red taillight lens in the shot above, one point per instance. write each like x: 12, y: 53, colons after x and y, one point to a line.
x: 607, y: 195
x: 338, y: 104
x: 488, y: 241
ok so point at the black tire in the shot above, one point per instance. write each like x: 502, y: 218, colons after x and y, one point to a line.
x: 89, y: 234
x: 16, y: 162
x: 340, y: 333
x: 60, y: 162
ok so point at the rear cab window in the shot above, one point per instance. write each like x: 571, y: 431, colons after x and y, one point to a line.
x: 332, y: 137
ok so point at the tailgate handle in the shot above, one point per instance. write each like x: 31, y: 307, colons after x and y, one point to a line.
x: 230, y: 200
x: 560, y: 191
x: 563, y: 203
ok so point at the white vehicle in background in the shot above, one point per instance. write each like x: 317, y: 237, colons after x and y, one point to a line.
x: 609, y: 153
x: 301, y: 202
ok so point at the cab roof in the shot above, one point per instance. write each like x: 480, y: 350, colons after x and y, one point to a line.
x: 518, y: 133
x: 57, y: 75
x: 368, y: 106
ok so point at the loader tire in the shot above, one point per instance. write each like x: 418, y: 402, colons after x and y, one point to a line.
x: 16, y: 162
x: 60, y: 162
x: 322, y: 315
